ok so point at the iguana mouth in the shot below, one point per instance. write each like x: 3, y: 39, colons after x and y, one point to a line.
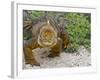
x: 47, y: 43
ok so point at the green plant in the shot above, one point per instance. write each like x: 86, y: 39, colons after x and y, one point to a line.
x: 79, y: 30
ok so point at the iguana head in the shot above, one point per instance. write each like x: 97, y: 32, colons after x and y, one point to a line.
x: 47, y: 36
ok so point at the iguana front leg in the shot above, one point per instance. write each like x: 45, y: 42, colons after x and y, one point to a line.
x: 29, y: 55
x: 56, y: 49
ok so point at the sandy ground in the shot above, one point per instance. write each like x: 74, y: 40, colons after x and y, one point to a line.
x: 81, y: 58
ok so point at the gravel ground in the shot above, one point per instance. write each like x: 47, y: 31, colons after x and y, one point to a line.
x: 81, y: 58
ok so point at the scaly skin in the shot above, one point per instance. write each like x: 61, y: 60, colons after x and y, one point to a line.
x: 62, y: 42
